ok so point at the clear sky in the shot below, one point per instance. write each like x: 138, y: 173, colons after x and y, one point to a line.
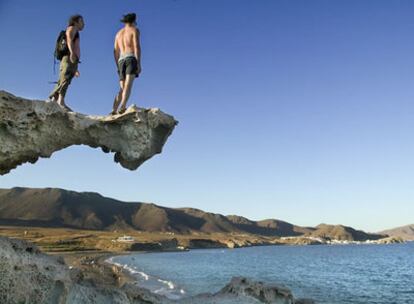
x: 296, y: 110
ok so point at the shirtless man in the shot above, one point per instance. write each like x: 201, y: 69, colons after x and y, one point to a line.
x: 127, y: 54
x: 69, y: 63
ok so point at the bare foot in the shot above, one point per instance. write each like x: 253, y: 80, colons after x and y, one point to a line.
x: 52, y: 99
x: 65, y: 107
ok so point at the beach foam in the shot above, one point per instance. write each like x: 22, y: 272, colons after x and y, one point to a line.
x: 152, y: 283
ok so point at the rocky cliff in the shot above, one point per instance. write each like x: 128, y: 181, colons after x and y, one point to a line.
x: 30, y: 129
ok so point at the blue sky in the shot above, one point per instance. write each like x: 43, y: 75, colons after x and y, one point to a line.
x: 296, y: 110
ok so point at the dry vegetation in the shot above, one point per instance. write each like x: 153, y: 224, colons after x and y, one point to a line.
x: 75, y: 240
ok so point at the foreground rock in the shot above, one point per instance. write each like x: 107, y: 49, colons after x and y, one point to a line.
x: 31, y: 129
x: 29, y: 276
x: 255, y: 292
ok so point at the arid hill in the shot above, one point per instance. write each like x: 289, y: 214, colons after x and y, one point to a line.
x: 343, y: 233
x: 52, y: 207
x: 404, y: 232
x: 268, y: 227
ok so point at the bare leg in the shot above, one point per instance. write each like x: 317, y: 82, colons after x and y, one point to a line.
x: 127, y: 91
x: 61, y: 100
x: 64, y: 84
x: 54, y: 97
x: 118, y: 98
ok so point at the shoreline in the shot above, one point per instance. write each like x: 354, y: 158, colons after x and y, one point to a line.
x: 29, y: 273
x: 94, y: 274
x: 124, y: 275
x: 66, y: 240
x: 95, y: 267
x: 87, y: 252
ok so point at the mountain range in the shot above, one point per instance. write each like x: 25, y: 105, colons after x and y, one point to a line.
x: 52, y: 207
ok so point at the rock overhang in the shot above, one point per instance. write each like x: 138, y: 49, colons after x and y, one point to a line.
x: 30, y: 129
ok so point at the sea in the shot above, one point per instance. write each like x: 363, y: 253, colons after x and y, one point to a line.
x: 334, y: 274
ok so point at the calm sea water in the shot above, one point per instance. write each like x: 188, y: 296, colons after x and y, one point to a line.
x: 340, y: 274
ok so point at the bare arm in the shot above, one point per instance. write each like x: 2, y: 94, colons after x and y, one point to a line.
x: 70, y: 35
x: 137, y: 46
x: 116, y: 50
x: 137, y: 49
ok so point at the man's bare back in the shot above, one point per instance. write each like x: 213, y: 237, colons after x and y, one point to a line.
x: 127, y: 42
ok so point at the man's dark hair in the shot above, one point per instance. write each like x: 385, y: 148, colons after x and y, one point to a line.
x: 74, y: 19
x: 129, y: 18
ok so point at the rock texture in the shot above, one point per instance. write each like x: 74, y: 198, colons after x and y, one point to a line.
x: 29, y: 276
x: 30, y: 129
x: 260, y: 291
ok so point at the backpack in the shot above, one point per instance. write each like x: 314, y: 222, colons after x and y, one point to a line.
x: 61, y: 48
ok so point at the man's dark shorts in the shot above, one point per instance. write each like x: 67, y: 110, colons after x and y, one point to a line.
x: 127, y: 66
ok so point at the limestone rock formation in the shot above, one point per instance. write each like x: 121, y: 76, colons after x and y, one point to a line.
x: 29, y: 276
x: 262, y: 292
x: 30, y: 129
